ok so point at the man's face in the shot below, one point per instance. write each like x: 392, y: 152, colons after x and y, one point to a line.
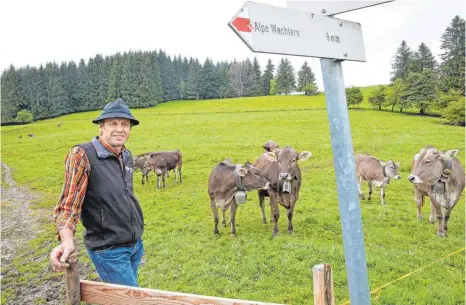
x: 115, y: 131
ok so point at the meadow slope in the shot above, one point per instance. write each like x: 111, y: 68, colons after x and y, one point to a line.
x: 182, y: 253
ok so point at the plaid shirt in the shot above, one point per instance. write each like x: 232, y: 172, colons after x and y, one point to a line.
x: 77, y: 170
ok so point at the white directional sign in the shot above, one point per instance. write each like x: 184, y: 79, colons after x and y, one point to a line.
x: 331, y: 7
x: 276, y: 30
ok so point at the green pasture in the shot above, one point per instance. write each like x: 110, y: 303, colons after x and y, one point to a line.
x: 182, y: 253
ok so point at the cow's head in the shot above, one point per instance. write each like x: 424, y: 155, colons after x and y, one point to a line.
x: 287, y: 159
x: 251, y: 177
x: 270, y: 146
x: 136, y: 162
x: 430, y: 164
x: 141, y: 161
x: 391, y: 169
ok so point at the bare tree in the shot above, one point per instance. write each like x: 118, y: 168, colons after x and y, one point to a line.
x: 239, y: 74
x: 236, y: 78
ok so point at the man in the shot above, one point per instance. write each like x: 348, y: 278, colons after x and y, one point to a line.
x: 98, y: 189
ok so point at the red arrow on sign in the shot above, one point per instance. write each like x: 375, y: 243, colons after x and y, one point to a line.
x: 242, y: 24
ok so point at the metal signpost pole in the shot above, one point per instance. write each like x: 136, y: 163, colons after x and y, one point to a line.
x: 348, y: 198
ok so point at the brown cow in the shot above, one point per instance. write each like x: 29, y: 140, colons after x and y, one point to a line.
x: 225, y: 180
x: 375, y: 172
x: 142, y: 163
x: 163, y: 161
x: 439, y: 175
x: 281, y: 169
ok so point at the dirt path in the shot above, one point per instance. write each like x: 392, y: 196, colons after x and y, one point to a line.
x: 15, y: 202
x: 20, y: 224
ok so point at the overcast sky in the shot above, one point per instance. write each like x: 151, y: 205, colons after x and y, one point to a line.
x: 34, y: 32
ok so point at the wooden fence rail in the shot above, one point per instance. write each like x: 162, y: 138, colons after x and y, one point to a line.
x: 105, y: 294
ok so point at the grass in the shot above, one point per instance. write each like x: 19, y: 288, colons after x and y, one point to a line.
x: 182, y: 253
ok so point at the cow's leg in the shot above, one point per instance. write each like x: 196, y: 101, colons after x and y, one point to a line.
x: 233, y: 217
x: 163, y: 179
x: 261, y: 204
x: 382, y: 193
x: 275, y: 213
x: 453, y: 199
x: 445, y: 220
x: 369, y: 184
x: 433, y: 215
x: 224, y: 222
x: 419, y: 200
x: 215, y: 214
x: 361, y: 194
x: 158, y: 181
x: 142, y: 178
x: 179, y: 173
x: 289, y: 212
x: 436, y: 200
x: 147, y: 174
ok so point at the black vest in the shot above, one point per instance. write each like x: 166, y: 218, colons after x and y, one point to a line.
x: 110, y: 213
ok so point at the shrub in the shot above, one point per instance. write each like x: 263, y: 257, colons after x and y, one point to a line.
x: 377, y: 97
x: 24, y: 116
x: 311, y: 89
x: 353, y: 96
x: 454, y: 113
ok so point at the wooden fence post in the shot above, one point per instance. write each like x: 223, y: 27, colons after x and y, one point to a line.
x: 73, y: 286
x: 323, y: 285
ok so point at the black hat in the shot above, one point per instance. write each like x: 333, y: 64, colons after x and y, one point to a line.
x: 116, y: 109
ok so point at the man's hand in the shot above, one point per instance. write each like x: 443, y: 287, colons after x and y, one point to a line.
x: 60, y: 254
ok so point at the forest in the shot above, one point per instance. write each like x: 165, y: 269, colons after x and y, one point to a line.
x: 146, y: 78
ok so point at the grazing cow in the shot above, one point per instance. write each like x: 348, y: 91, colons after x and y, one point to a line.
x: 375, y: 172
x: 439, y: 175
x: 163, y: 161
x: 225, y: 180
x: 142, y: 163
x: 281, y: 169
x: 60, y: 124
x: 31, y: 135
x: 270, y: 146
